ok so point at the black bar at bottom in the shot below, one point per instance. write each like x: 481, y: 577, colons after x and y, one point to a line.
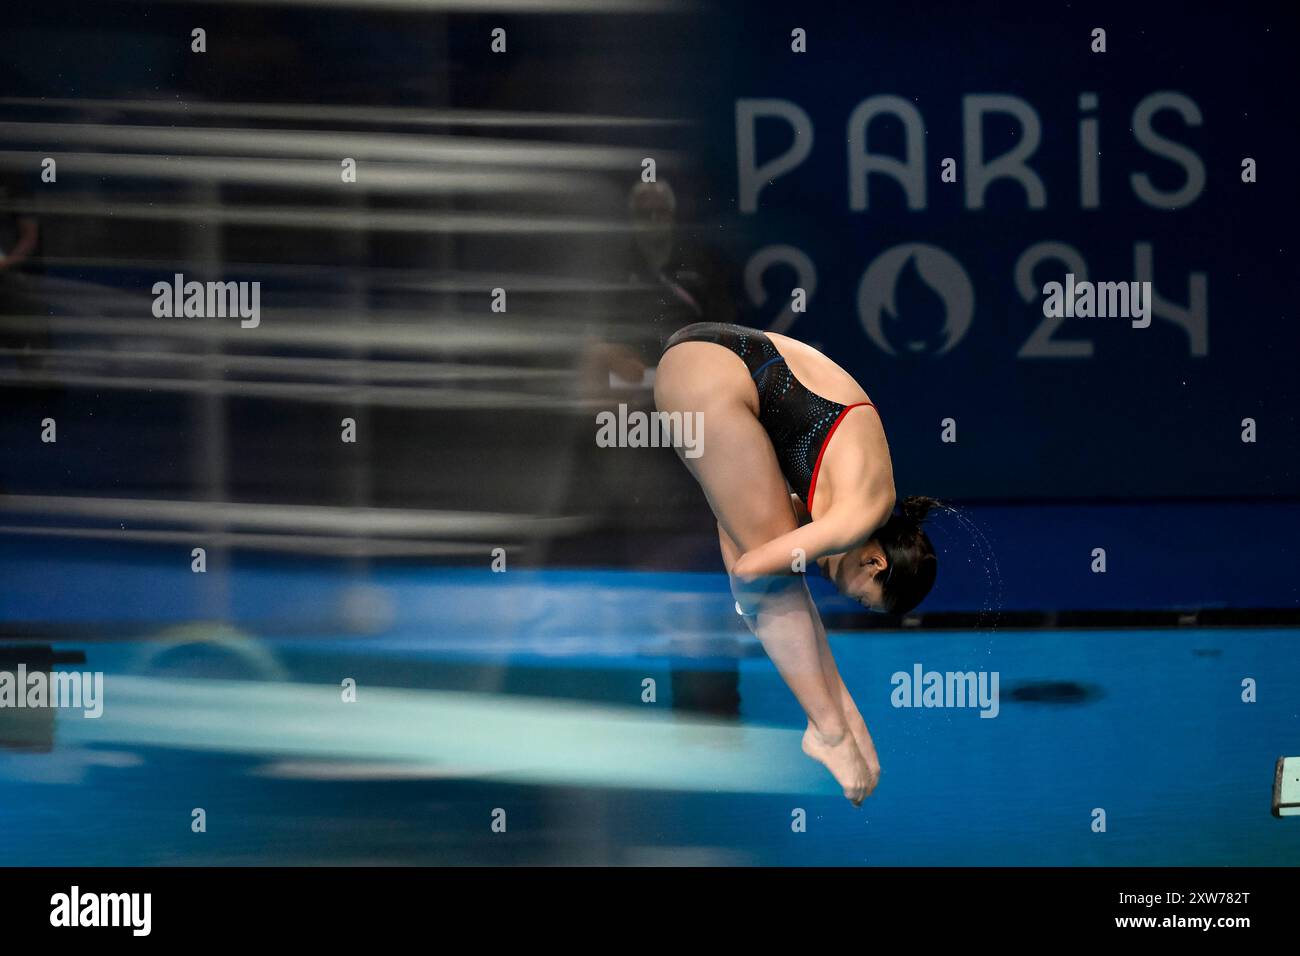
x: 441, y: 906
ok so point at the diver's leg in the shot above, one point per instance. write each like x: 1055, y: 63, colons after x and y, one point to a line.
x: 852, y: 716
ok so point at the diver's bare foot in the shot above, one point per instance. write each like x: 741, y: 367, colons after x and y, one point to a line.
x: 866, y: 747
x: 843, y: 760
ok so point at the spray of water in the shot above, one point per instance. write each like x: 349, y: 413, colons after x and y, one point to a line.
x: 981, y: 552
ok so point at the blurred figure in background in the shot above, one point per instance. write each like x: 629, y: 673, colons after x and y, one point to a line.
x: 19, y: 230
x: 20, y: 239
x: 673, y: 279
x: 678, y: 278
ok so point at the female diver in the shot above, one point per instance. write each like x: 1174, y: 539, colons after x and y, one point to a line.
x: 770, y: 407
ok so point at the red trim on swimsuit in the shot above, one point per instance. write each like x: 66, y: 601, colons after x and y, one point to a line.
x: 812, y: 485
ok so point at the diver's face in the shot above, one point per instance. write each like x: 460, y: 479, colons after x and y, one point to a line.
x: 858, y: 574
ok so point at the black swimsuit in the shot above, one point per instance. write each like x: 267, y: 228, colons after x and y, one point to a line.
x: 799, y: 422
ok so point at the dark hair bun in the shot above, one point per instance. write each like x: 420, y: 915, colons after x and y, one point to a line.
x: 912, y: 563
x: 917, y: 507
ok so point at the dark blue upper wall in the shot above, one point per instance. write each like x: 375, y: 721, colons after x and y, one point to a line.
x: 1152, y: 412
x: 1103, y: 408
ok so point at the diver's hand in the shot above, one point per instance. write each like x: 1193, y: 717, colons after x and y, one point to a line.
x: 600, y: 359
x: 750, y: 585
x: 747, y: 590
x: 746, y: 600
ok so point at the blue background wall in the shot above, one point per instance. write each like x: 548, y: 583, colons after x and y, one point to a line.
x: 1098, y: 443
x: 1143, y: 413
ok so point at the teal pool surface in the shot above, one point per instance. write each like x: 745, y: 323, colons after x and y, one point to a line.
x: 1148, y: 727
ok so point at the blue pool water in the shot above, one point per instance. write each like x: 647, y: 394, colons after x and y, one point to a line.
x: 1161, y: 742
x: 528, y: 696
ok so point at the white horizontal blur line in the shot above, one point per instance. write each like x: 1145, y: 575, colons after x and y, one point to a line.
x: 322, y: 217
x: 345, y: 547
x: 331, y: 394
x: 303, y: 173
x: 503, y: 737
x: 452, y: 333
x: 377, y: 277
x: 342, y: 368
x: 300, y: 519
x: 359, y: 114
x: 474, y: 152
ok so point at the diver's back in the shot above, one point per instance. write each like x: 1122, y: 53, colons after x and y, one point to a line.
x: 817, y: 373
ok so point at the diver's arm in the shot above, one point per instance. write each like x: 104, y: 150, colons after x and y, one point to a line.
x: 862, y: 478
x: 841, y: 529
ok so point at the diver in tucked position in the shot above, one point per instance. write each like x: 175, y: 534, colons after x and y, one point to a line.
x: 770, y: 407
